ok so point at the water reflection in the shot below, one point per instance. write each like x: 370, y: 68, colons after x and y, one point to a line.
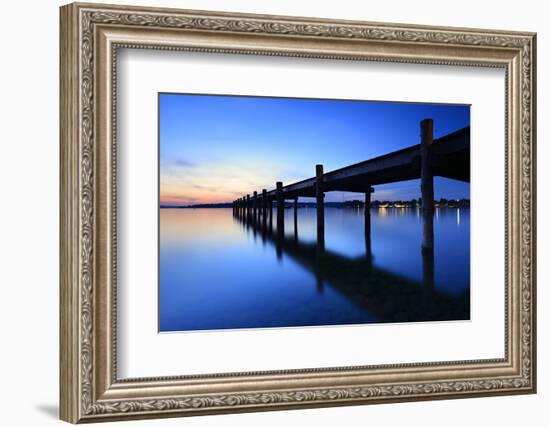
x: 388, y: 296
x: 219, y: 270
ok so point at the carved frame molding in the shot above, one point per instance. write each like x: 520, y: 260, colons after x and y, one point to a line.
x: 90, y: 37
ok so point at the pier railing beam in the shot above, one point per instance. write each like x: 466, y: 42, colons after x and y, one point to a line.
x: 427, y: 185
x: 320, y: 201
x: 280, y: 208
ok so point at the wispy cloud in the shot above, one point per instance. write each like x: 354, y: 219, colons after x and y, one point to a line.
x: 178, y: 199
x: 211, y: 188
x: 184, y: 163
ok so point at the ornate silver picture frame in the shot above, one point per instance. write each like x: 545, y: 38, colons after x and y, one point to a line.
x: 91, y: 35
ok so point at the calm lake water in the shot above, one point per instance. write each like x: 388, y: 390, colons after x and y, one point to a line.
x: 219, y: 271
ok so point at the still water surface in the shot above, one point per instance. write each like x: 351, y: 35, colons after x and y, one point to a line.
x: 219, y: 271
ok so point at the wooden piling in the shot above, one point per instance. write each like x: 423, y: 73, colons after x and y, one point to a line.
x: 320, y: 199
x: 367, y: 213
x: 427, y: 185
x: 368, y: 194
x: 264, y: 208
x: 248, y: 206
x: 270, y: 212
x: 296, y: 218
x: 280, y: 208
x: 255, y: 206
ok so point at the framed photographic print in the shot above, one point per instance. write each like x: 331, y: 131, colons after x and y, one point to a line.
x: 212, y: 147
x: 264, y: 212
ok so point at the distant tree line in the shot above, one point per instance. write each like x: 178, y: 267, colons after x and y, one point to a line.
x: 441, y: 203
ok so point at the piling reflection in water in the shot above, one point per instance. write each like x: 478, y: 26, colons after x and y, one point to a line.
x: 388, y: 296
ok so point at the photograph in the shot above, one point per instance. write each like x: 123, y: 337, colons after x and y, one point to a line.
x: 298, y: 212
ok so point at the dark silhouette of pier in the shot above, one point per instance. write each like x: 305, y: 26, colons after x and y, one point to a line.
x: 383, y: 294
x: 448, y: 156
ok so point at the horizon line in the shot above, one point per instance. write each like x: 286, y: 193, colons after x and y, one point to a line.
x: 168, y: 205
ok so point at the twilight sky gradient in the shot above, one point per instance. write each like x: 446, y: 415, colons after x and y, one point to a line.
x: 214, y: 149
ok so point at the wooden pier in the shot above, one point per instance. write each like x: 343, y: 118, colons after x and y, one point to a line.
x: 448, y: 156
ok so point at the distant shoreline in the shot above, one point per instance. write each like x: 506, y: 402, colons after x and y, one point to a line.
x: 442, y: 203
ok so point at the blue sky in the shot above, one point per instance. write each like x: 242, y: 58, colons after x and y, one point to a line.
x: 215, y: 149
